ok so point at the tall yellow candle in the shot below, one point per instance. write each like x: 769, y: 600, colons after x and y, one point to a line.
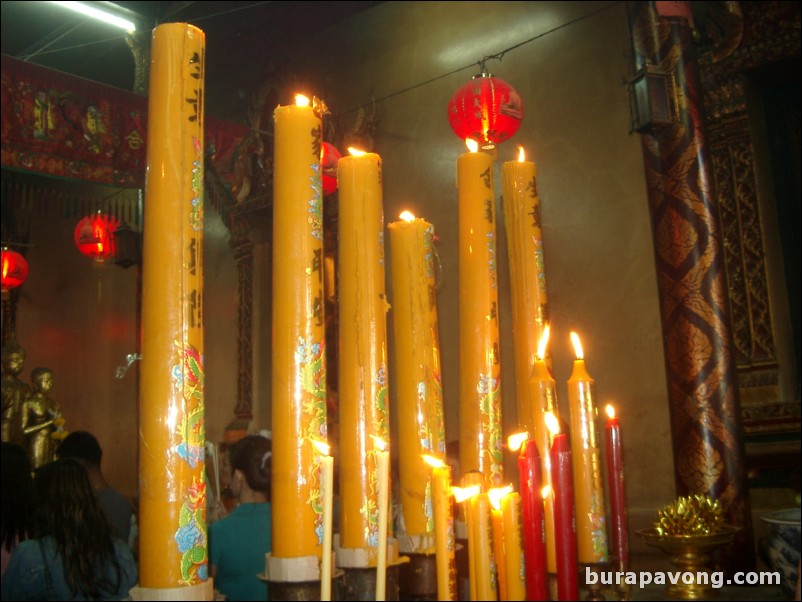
x: 543, y: 396
x: 299, y: 355
x: 172, y: 481
x: 471, y: 486
x: 327, y: 485
x: 513, y: 548
x: 445, y: 544
x: 483, y: 562
x: 527, y: 277
x: 362, y: 353
x: 421, y: 428
x: 495, y: 496
x: 480, y: 365
x: 383, y: 476
x: 591, y: 527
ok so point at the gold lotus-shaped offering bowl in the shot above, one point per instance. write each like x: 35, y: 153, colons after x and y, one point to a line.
x: 688, y: 530
x: 690, y: 556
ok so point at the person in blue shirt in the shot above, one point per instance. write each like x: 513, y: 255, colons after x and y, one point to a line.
x: 77, y: 557
x: 238, y: 543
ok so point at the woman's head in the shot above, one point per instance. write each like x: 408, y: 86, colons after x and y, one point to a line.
x: 68, y: 499
x: 251, y: 456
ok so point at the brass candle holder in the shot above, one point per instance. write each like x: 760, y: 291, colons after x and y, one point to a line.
x: 690, y: 554
x: 594, y: 586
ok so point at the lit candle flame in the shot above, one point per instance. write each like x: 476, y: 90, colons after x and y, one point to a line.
x: 321, y: 447
x: 432, y: 461
x: 407, y: 216
x: 577, y: 346
x: 464, y: 493
x: 355, y: 152
x: 545, y: 492
x: 544, y: 340
x: 301, y: 100
x: 610, y: 410
x: 472, y: 144
x: 495, y: 495
x: 552, y: 423
x: 521, y: 154
x: 514, y: 442
x: 379, y: 443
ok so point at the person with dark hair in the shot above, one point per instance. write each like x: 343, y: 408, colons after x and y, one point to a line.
x: 76, y: 557
x: 84, y: 447
x: 17, y: 500
x: 238, y: 543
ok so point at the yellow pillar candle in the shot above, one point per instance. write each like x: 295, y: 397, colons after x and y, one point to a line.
x: 591, y: 527
x: 445, y: 544
x: 495, y: 496
x: 527, y: 277
x: 483, y: 562
x: 543, y: 396
x: 421, y: 428
x: 299, y: 357
x: 172, y: 482
x: 480, y: 365
x: 513, y: 549
x: 362, y: 346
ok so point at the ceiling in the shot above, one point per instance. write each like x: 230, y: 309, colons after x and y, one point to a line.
x: 241, y: 39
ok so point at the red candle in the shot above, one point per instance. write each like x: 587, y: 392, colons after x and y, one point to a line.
x: 532, y: 517
x: 564, y: 523
x: 615, y: 486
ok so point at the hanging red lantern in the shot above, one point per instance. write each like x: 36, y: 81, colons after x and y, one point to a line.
x: 329, y: 156
x: 14, y: 269
x: 486, y: 109
x: 94, y: 236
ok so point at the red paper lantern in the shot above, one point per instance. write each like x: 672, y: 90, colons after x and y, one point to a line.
x: 486, y: 109
x: 94, y: 236
x: 329, y: 156
x: 14, y: 269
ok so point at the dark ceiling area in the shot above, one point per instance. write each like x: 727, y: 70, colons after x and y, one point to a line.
x: 244, y: 40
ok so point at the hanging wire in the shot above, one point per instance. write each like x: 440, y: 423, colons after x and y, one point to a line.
x: 498, y: 56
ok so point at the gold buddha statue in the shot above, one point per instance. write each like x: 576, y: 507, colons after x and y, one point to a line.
x: 14, y: 392
x: 41, y: 418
